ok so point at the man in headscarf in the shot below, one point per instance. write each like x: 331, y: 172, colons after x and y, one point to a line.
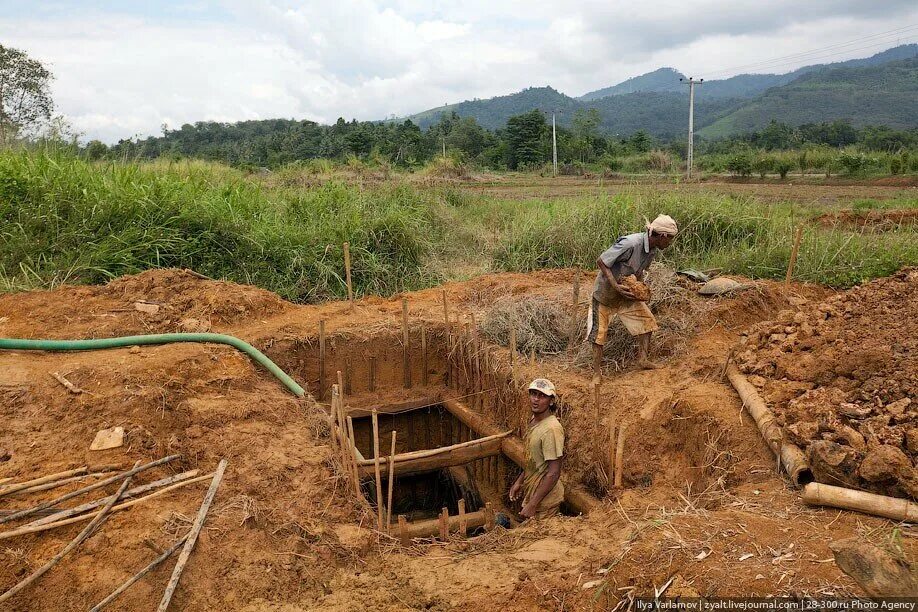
x: 631, y: 254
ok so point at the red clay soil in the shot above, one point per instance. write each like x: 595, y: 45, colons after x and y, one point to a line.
x: 842, y: 378
x: 700, y: 496
x: 881, y: 220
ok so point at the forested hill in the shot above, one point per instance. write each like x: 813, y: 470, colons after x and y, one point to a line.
x: 741, y: 85
x: 866, y: 92
x: 869, y: 95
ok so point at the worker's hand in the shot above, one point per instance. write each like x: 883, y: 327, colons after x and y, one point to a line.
x: 515, y: 491
x: 625, y: 293
x: 528, y: 511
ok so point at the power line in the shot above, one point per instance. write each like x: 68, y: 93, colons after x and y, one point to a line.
x: 820, y: 53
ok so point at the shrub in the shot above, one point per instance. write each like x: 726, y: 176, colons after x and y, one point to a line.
x: 763, y: 165
x: 740, y: 165
x: 783, y: 167
x: 659, y: 160
x: 851, y: 162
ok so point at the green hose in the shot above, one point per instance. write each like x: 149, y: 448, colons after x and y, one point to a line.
x: 21, y: 344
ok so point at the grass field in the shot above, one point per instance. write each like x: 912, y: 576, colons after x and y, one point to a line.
x: 65, y: 220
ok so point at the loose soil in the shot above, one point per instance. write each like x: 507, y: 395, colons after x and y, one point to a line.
x: 700, y: 490
x: 875, y: 220
x: 842, y: 378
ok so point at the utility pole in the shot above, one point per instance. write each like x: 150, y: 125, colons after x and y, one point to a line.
x: 691, y: 122
x: 554, y: 146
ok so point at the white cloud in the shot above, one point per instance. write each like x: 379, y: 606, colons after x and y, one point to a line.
x: 122, y: 74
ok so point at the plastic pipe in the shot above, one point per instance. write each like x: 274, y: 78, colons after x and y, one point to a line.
x: 21, y: 344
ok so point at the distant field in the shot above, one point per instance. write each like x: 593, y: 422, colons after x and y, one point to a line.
x: 63, y: 219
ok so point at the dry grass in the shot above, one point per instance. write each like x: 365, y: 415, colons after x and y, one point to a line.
x: 541, y: 324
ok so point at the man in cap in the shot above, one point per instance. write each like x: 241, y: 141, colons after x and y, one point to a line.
x: 540, y: 484
x: 631, y: 254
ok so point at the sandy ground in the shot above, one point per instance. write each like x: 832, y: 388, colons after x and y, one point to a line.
x: 702, y: 503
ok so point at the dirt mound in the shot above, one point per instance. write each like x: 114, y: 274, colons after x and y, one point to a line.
x: 876, y: 220
x: 842, y: 378
x: 182, y: 294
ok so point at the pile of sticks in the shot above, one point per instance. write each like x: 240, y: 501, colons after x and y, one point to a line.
x: 51, y: 515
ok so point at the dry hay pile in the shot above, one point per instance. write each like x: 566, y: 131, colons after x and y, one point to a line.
x: 842, y: 379
x: 541, y: 324
x: 677, y: 307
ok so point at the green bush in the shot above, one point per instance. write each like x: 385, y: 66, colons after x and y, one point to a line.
x: 740, y: 164
x: 763, y: 164
x: 783, y: 166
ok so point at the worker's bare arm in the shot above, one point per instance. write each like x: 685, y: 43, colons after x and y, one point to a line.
x: 547, y: 483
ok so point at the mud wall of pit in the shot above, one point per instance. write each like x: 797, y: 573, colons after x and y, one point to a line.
x: 369, y: 362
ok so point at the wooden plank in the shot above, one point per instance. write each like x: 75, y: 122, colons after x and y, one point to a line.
x: 379, y: 499
x: 443, y: 450
x: 431, y: 528
x: 403, y: 406
x: 459, y: 456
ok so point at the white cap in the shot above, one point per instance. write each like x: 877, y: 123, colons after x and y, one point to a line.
x: 663, y: 224
x: 543, y: 385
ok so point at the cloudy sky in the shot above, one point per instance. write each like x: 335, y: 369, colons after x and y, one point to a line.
x: 125, y: 68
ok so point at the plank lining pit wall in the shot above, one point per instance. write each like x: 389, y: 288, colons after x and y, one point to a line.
x: 439, y: 459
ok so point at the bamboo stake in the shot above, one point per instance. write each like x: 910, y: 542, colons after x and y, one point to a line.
x: 445, y: 310
x: 476, y: 363
x: 67, y: 384
x: 87, y: 489
x: 391, y: 483
x: 406, y: 350
x: 379, y: 497
x: 489, y: 516
x: 619, y: 453
x: 512, y: 348
x: 576, y: 301
x: 463, y: 524
x: 322, y: 359
x: 14, y: 488
x: 424, y: 374
x: 338, y: 433
x: 76, y: 519
x: 371, y: 384
x: 403, y: 530
x: 162, y: 482
x: 444, y: 524
x: 87, y: 531
x: 130, y: 581
x: 60, y: 483
x: 347, y: 272
x: 355, y: 475
x: 793, y: 256
x: 192, y: 537
x: 612, y: 451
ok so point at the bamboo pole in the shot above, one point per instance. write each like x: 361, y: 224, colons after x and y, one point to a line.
x: 612, y: 444
x: 162, y: 482
x: 619, y: 453
x: 793, y: 257
x: 76, y: 519
x: 192, y: 537
x: 489, y: 516
x: 476, y: 363
x: 894, y: 508
x: 354, y: 469
x: 406, y: 349
x: 424, y: 374
x: 443, y: 450
x: 403, y: 530
x: 444, y: 524
x: 21, y: 486
x: 347, y: 272
x: 322, y: 394
x: 149, y: 568
x: 788, y: 454
x: 431, y: 528
x: 58, y: 483
x: 87, y: 531
x: 86, y: 489
x: 391, y: 484
x: 463, y: 523
x: 379, y: 497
